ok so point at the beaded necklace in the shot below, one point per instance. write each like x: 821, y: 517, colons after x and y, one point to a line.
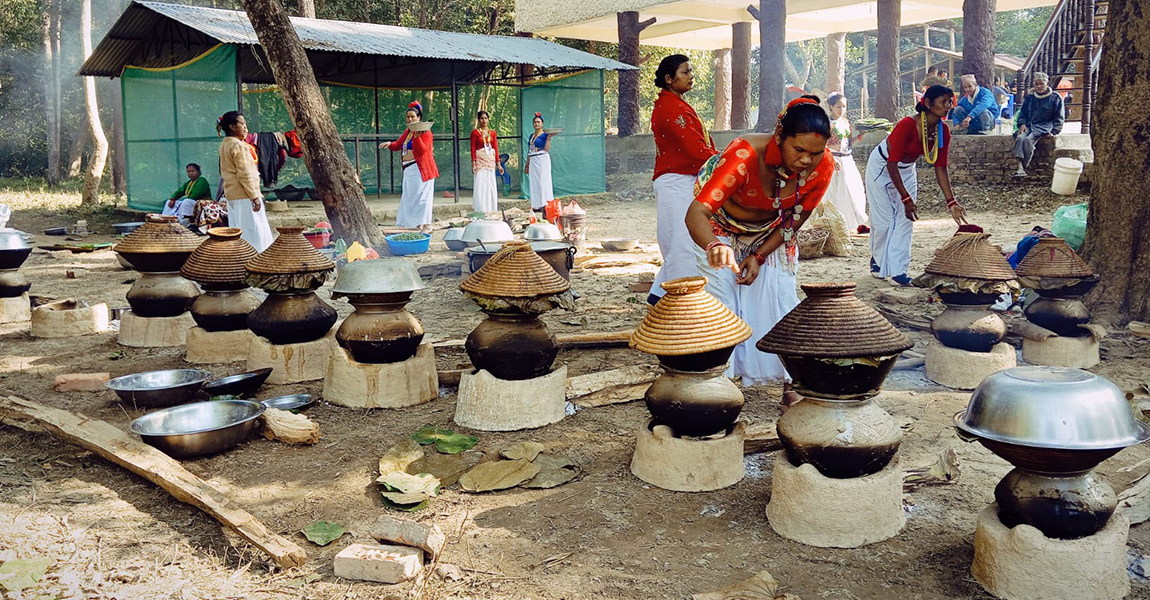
x: 788, y: 221
x: 926, y: 146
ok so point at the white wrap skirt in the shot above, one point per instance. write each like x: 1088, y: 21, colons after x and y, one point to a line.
x: 891, y: 231
x: 674, y: 193
x: 417, y: 199
x: 847, y: 193
x: 539, y: 179
x: 253, y: 225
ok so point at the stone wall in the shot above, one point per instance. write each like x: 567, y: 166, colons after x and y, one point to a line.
x: 977, y: 158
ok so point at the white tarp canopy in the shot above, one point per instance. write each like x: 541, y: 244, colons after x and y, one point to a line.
x: 706, y: 24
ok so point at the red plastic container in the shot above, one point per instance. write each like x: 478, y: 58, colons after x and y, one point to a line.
x: 318, y: 240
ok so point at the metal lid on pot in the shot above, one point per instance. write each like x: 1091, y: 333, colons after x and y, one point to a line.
x: 378, y: 276
x: 542, y: 231
x: 536, y: 246
x: 12, y: 240
x: 487, y: 231
x: 1052, y: 407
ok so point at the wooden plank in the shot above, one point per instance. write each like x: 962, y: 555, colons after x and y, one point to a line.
x: 611, y: 387
x: 898, y: 319
x: 761, y: 438
x: 110, y: 442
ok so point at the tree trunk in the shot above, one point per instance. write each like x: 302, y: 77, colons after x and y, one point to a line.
x: 1118, y: 229
x: 57, y: 95
x: 305, y: 8
x: 525, y: 71
x: 722, y: 66
x: 90, y: 194
x: 799, y: 76
x: 978, y: 40
x: 119, y: 148
x: 772, y: 16
x: 836, y: 63
x: 80, y: 139
x: 323, y: 153
x: 53, y: 170
x: 629, y: 30
x: 741, y: 76
x: 886, y: 67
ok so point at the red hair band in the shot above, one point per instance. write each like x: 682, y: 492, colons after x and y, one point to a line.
x: 416, y: 105
x: 794, y: 103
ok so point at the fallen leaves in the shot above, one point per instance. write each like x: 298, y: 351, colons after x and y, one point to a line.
x: 445, y: 440
x: 498, y: 475
x: 763, y: 586
x: 21, y: 573
x: 322, y: 533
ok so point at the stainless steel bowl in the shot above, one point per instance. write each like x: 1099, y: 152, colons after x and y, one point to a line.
x: 126, y: 228
x: 199, y: 428
x: 483, y: 231
x: 241, y: 384
x: 297, y: 402
x: 619, y: 245
x: 453, y: 238
x: 1051, y: 407
x: 159, y: 388
x: 542, y: 232
x: 12, y: 240
x: 379, y: 276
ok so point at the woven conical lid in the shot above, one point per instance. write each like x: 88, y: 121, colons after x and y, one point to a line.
x: 688, y: 320
x: 1053, y: 257
x: 289, y: 254
x: 970, y: 255
x: 515, y: 271
x: 220, y: 259
x: 158, y: 235
x: 833, y: 323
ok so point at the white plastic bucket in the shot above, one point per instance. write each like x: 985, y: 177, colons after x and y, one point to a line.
x: 1066, y: 174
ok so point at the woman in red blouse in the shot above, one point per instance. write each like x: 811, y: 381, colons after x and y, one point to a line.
x: 682, y: 145
x: 484, y: 164
x: 892, y: 182
x: 750, y: 201
x: 419, y: 171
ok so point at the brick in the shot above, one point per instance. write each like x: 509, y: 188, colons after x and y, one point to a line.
x: 81, y: 382
x: 409, y: 533
x: 901, y: 295
x: 378, y: 563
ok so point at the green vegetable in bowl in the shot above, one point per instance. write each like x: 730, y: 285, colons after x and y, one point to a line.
x: 408, y: 237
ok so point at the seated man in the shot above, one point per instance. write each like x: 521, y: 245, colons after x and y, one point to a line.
x: 1042, y: 114
x: 976, y: 110
x: 182, y: 202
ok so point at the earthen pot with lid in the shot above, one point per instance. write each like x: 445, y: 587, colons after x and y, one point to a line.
x: 160, y: 245
x: 841, y: 439
x: 694, y: 403
x: 380, y: 329
x: 689, y: 329
x: 289, y: 264
x: 218, y: 263
x: 834, y: 345
x: 13, y: 283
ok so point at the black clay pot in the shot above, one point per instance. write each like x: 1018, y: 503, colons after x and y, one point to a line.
x: 1071, y: 291
x: 1060, y: 507
x: 970, y: 327
x: 1062, y: 316
x: 703, y: 361
x: 823, y: 379
x: 12, y: 258
x: 512, y: 346
x: 380, y: 330
x: 292, y: 318
x: 968, y: 299
x: 813, y: 431
x: 694, y: 404
x: 161, y: 295
x: 155, y: 262
x: 1049, y: 461
x: 13, y: 283
x: 224, y: 310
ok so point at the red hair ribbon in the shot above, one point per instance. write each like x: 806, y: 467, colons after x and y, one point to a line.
x: 539, y: 114
x: 794, y: 103
x: 415, y: 104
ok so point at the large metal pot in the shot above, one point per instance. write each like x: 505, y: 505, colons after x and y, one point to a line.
x: 292, y: 318
x: 13, y: 283
x: 162, y: 295
x: 512, y: 346
x: 486, y: 232
x: 224, y: 310
x: 13, y: 250
x: 380, y: 330
x: 560, y: 255
x: 694, y: 403
x: 974, y: 328
x: 200, y: 428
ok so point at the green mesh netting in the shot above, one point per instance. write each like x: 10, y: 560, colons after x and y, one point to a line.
x: 170, y: 121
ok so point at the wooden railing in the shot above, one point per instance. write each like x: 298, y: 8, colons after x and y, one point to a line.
x: 1071, y: 26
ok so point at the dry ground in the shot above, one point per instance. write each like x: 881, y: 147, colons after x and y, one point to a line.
x: 608, y: 535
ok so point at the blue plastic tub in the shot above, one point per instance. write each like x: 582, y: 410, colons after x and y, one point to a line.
x: 402, y: 247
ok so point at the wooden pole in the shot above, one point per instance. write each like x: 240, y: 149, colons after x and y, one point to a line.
x: 741, y: 76
x: 722, y: 66
x: 772, y: 17
x: 887, y: 68
x: 836, y: 63
x: 629, y: 29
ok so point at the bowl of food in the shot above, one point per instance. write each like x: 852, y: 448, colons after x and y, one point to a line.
x: 418, y: 126
x: 243, y: 385
x: 168, y: 387
x: 553, y: 130
x: 401, y: 244
x: 200, y: 428
x: 619, y: 245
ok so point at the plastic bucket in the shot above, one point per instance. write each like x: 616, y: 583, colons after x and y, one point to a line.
x: 1066, y: 174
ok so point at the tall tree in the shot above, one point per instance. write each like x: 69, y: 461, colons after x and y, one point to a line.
x: 327, y: 163
x: 80, y: 139
x: 887, y: 67
x: 836, y: 63
x: 741, y: 76
x: 629, y: 29
x: 722, y: 67
x: 1118, y: 227
x: 90, y: 193
x: 978, y: 39
x: 305, y: 8
x: 53, y: 140
x: 772, y: 17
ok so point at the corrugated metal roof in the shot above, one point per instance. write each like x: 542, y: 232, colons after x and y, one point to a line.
x: 128, y: 40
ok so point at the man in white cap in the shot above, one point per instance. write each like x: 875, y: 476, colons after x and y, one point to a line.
x: 976, y: 110
x: 1042, y: 114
